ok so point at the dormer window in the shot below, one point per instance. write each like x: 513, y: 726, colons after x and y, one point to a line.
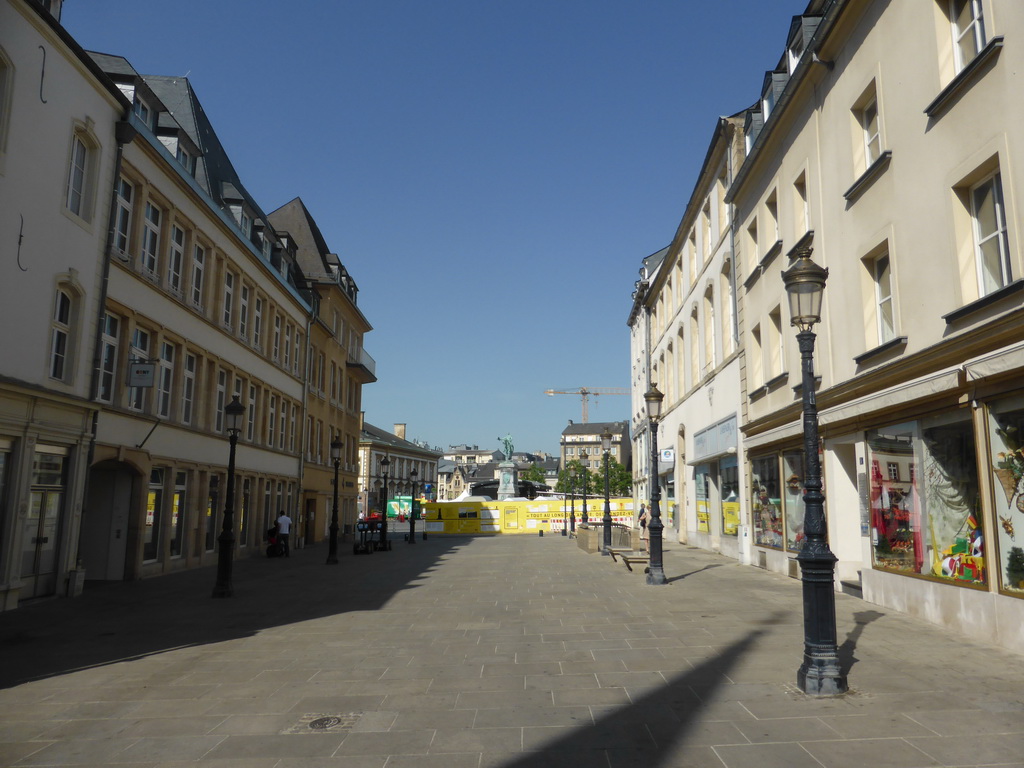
x: 771, y: 91
x: 266, y: 248
x: 245, y: 223
x: 751, y: 128
x: 186, y: 159
x: 800, y: 33
x: 768, y: 102
x: 795, y: 52
x: 143, y: 112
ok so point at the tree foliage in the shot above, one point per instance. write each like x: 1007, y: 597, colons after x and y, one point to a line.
x: 620, y: 480
x: 534, y: 474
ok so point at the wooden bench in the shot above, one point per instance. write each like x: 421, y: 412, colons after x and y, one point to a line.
x: 629, y: 556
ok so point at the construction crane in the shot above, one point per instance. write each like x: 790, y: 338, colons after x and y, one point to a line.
x: 586, y: 392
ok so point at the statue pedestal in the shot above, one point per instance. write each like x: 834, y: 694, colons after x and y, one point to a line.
x: 507, y: 477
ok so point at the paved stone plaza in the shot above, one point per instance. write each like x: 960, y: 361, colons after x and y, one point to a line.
x: 514, y: 651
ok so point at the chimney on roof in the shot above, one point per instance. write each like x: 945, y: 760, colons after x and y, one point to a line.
x: 400, y: 431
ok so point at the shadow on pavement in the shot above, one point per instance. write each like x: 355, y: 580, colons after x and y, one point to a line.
x: 649, y: 731
x: 691, y: 573
x: 846, y: 657
x: 118, y: 621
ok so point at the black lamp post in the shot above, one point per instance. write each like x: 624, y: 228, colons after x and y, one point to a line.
x: 412, y: 512
x: 606, y: 446
x: 233, y: 413
x: 820, y: 673
x: 383, y: 543
x: 429, y: 493
x: 565, y: 517
x: 570, y: 477
x: 332, y: 552
x: 584, y: 476
x: 655, y: 528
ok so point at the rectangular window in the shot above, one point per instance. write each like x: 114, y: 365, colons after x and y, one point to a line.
x: 766, y: 502
x: 756, y: 356
x: 188, y: 389
x: 1006, y: 458
x: 803, y: 219
x: 752, y: 246
x: 283, y: 424
x: 76, y: 176
x: 222, y: 389
x: 229, y: 295
x: 287, y: 362
x: 154, y: 507
x: 139, y: 353
x: 178, y: 502
x: 243, y: 312
x: 123, y: 216
x: 774, y: 366
x: 968, y: 30
x: 250, y: 426
x: 291, y: 427
x: 151, y: 240
x: 991, y: 246
x: 198, y: 270
x: 297, y: 361
x: 271, y: 420
x: 143, y: 112
x: 60, y: 335
x: 927, y: 525
x: 176, y: 257
x: 883, y: 299
x: 257, y: 324
x: 771, y: 206
x: 893, y: 468
x: 868, y: 115
x: 793, y: 499
x: 165, y: 381
x: 108, y: 357
x: 276, y: 348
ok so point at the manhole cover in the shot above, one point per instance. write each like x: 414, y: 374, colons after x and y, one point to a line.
x: 319, y: 722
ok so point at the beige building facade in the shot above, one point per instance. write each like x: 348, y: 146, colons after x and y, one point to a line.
x: 58, y: 148
x: 886, y: 143
x: 337, y: 368
x: 683, y: 324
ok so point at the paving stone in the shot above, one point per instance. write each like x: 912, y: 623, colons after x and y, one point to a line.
x: 512, y: 652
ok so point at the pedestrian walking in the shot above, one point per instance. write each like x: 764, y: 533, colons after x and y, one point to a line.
x: 284, y: 528
x: 643, y: 526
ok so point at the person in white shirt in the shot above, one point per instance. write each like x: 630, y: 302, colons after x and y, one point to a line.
x: 284, y: 527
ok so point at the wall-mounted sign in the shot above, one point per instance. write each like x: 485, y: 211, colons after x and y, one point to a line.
x: 141, y: 374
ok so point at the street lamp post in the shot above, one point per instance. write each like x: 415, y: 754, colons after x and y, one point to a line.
x: 584, y: 476
x: 570, y: 477
x: 606, y: 446
x: 412, y: 511
x: 820, y: 673
x: 655, y: 528
x: 233, y: 413
x: 332, y: 552
x: 383, y: 543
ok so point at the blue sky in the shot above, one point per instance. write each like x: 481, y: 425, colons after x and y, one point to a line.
x: 490, y: 171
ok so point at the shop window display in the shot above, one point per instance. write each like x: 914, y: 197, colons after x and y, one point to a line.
x: 1006, y: 437
x: 793, y: 471
x: 730, y: 496
x: 766, y: 503
x: 702, y: 481
x: 925, y: 498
